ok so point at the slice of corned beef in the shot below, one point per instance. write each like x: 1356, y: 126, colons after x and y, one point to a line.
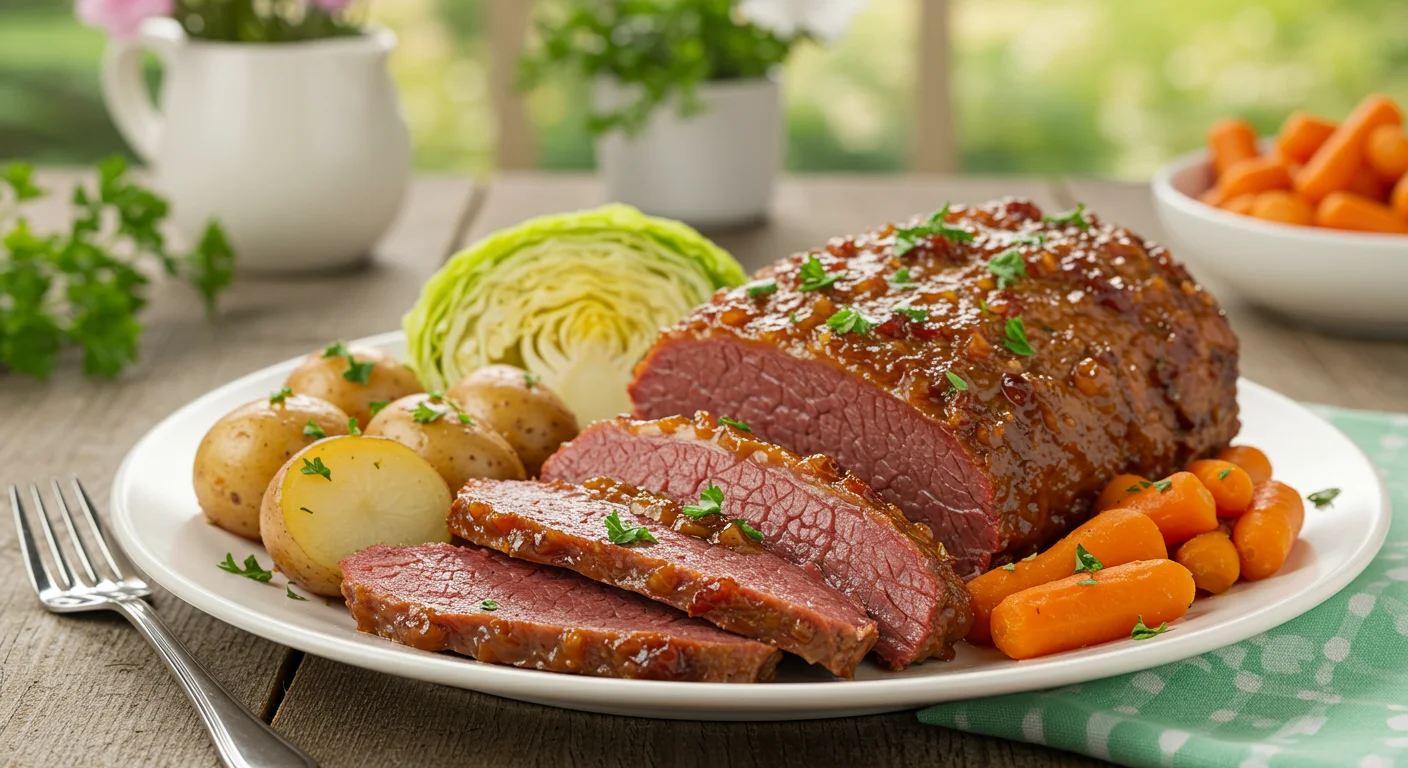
x: 496, y: 609
x: 745, y: 589
x: 812, y: 514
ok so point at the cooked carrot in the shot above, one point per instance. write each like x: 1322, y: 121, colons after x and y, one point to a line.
x: 1254, y: 175
x: 1212, y: 559
x: 1387, y: 152
x: 1240, y: 204
x: 1250, y: 459
x: 1334, y: 164
x: 1115, y: 537
x: 1230, y: 142
x: 1118, y: 489
x: 1284, y: 206
x: 1301, y: 135
x: 1265, y: 533
x: 1073, y: 613
x: 1398, y: 200
x: 1179, y: 505
x: 1366, y: 183
x: 1344, y: 210
x: 1213, y: 196
x: 1229, y: 484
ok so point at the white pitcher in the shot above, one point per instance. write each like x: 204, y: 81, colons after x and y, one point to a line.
x: 298, y: 149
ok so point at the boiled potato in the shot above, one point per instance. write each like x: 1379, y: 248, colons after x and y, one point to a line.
x: 531, y: 417
x: 345, y: 494
x: 352, y: 378
x: 244, y: 450
x: 456, y: 444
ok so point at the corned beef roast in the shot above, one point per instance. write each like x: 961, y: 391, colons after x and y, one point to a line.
x: 740, y: 587
x: 985, y: 370
x: 483, y: 604
x: 813, y: 514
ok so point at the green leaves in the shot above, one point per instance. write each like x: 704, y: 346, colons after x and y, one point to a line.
x: 849, y: 320
x: 488, y: 605
x: 748, y: 530
x: 1009, y: 266
x: 1325, y: 498
x: 278, y: 397
x: 311, y: 429
x: 762, y: 289
x: 1074, y: 218
x: 814, y: 276
x: 909, y: 238
x: 901, y: 281
x: 84, y: 287
x: 1086, y: 562
x: 711, y: 501
x: 316, y: 467
x: 1016, y: 338
x: 251, y: 569
x: 914, y: 314
x: 425, y: 413
x: 1141, y: 632
x: 956, y: 381
x: 726, y: 421
x: 620, y: 533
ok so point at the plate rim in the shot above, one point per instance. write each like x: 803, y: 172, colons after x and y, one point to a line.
x: 722, y: 701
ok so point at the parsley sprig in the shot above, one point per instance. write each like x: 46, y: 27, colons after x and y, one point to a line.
x: 1074, y: 218
x: 849, y: 320
x: 1087, y: 563
x: 251, y: 569
x: 762, y: 289
x: 1325, y: 498
x: 814, y: 275
x: 1009, y: 266
x: 1016, y: 338
x: 711, y: 501
x: 909, y: 238
x: 724, y: 420
x: 748, y: 530
x: 1141, y: 632
x: 618, y: 532
x: 901, y: 281
x: 316, y: 467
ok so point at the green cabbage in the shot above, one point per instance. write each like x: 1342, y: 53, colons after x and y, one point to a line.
x: 575, y: 298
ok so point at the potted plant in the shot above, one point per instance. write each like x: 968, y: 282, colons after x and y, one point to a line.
x: 277, y: 117
x: 687, y: 105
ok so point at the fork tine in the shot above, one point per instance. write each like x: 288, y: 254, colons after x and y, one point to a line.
x: 75, y: 541
x: 39, y: 576
x: 115, y: 559
x: 60, y: 565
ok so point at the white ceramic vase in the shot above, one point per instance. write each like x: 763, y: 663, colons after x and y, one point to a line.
x: 713, y: 169
x: 298, y: 149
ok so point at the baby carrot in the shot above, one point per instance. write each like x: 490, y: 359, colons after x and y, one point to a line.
x: 1179, y: 505
x: 1387, y: 152
x: 1334, y: 164
x: 1230, y: 141
x: 1115, y: 537
x: 1366, y: 183
x: 1398, y: 201
x: 1254, y: 175
x: 1284, y: 206
x: 1073, y: 612
x: 1301, y: 135
x: 1250, y: 459
x: 1344, y: 210
x: 1212, y: 559
x: 1229, y: 484
x: 1118, y: 489
x: 1265, y: 533
x: 1240, y: 204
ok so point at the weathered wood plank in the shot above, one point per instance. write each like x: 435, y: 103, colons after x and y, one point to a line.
x: 88, y: 690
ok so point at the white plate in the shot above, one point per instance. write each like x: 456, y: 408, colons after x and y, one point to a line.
x: 155, y: 515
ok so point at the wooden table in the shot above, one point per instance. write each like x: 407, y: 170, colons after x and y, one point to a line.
x: 87, y: 690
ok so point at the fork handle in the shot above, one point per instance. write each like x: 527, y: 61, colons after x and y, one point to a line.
x: 242, y: 739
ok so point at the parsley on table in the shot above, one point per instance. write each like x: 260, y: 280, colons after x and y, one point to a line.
x: 251, y: 569
x: 620, y: 533
x: 915, y: 314
x: 1009, y: 266
x: 762, y: 289
x: 849, y: 320
x: 814, y: 276
x: 711, y: 501
x: 280, y: 396
x: 1016, y: 339
x: 1141, y: 632
x: 956, y: 381
x: 748, y: 530
x: 288, y: 591
x: 909, y: 238
x: 724, y: 420
x: 488, y: 605
x: 1075, y: 217
x: 1086, y: 562
x: 316, y: 467
x: 1224, y: 473
x: 1325, y: 498
x: 425, y: 413
x: 313, y: 430
x: 901, y: 281
x: 377, y: 405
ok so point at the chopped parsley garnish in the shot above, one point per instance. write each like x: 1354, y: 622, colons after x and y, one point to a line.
x: 251, y: 569
x: 814, y: 276
x: 1224, y: 473
x: 748, y: 530
x: 900, y: 280
x: 711, y: 501
x: 1016, y: 340
x: 465, y: 418
x: 1086, y: 562
x: 1164, y: 485
x: 915, y: 314
x: 1030, y: 238
x: 983, y: 305
x: 619, y: 533
x: 1141, y: 632
x: 1137, y: 487
x: 377, y: 405
x: 956, y: 381
x: 762, y: 289
x: 352, y: 428
x: 426, y: 413
x: 1325, y: 498
x: 314, y: 431
x: 908, y: 238
x: 531, y: 379
x: 1087, y: 582
x: 1009, y: 266
x: 288, y: 591
x: 849, y: 320
x: 488, y: 605
x: 358, y: 373
x: 377, y: 463
x: 792, y: 318
x: 305, y: 509
x: 1076, y: 217
x: 280, y: 396
x: 735, y: 424
x: 316, y: 467
x: 1010, y: 567
x: 1032, y: 556
x: 336, y: 349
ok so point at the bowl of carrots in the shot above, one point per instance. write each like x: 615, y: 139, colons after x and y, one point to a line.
x: 1311, y: 223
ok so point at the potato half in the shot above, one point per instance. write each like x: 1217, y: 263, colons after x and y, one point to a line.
x: 244, y: 450
x: 531, y: 417
x: 329, y: 374
x: 344, y: 494
x: 456, y: 444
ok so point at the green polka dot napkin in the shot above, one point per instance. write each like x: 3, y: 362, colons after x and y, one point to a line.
x: 1327, y: 689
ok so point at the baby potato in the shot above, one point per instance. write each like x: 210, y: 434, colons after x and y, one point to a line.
x: 353, y: 378
x: 244, y: 450
x: 454, y: 442
x: 344, y: 494
x: 531, y: 417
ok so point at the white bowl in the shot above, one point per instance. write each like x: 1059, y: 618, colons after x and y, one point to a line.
x: 1355, y: 282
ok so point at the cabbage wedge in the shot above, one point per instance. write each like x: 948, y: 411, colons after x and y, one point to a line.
x: 576, y: 299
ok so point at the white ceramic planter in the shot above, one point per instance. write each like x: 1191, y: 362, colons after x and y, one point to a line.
x: 298, y: 149
x: 712, y: 169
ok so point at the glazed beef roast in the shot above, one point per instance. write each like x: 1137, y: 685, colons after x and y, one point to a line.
x: 985, y: 370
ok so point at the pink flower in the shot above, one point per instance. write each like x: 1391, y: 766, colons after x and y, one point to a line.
x: 332, y: 6
x: 120, y: 18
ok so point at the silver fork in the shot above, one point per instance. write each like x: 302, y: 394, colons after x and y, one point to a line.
x: 242, y: 739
